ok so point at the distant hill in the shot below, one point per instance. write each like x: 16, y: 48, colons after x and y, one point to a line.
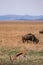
x: 21, y: 17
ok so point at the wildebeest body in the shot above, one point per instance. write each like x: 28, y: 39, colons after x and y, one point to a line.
x: 41, y: 32
x: 30, y: 37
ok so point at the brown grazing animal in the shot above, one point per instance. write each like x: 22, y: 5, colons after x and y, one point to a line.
x: 41, y: 32
x: 30, y: 37
x: 19, y: 54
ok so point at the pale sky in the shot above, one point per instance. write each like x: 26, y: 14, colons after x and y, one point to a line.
x: 21, y: 7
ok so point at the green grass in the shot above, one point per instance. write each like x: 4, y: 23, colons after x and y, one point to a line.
x: 35, y: 53
x: 12, y: 51
x: 32, y: 57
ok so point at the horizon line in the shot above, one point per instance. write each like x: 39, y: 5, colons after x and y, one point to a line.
x: 20, y: 14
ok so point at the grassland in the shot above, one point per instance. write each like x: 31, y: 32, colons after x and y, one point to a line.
x: 11, y: 42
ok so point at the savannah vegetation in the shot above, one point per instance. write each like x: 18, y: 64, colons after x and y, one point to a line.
x: 11, y: 43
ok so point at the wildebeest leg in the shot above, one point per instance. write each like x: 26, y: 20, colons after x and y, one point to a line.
x: 23, y: 40
x: 27, y: 41
x: 32, y: 39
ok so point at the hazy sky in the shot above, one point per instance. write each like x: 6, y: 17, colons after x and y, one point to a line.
x: 21, y: 7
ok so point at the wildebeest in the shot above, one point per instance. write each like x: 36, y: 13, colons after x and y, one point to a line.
x: 30, y: 37
x: 41, y: 32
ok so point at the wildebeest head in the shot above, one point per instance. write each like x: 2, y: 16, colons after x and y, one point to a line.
x: 35, y: 39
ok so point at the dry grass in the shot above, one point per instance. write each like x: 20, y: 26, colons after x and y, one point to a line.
x: 11, y: 34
